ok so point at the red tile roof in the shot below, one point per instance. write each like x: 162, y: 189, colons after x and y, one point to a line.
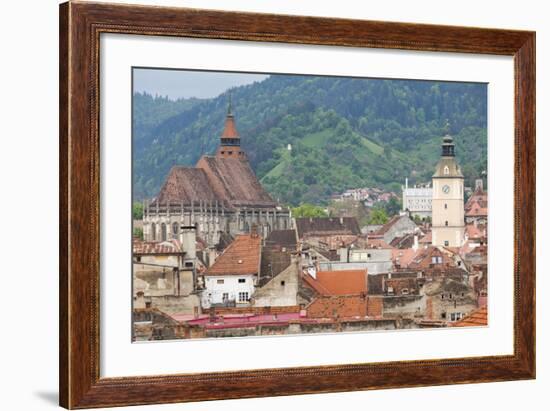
x: 427, y: 239
x: 314, y: 284
x: 343, y: 282
x: 377, y: 243
x: 477, y: 204
x: 403, y: 257
x: 233, y: 180
x: 230, y: 130
x: 385, y: 228
x: 473, y: 231
x: 240, y: 258
x: 474, y: 319
x: 186, y: 184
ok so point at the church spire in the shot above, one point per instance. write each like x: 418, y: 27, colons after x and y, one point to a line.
x: 229, y: 112
x: 230, y: 141
x: 448, y: 146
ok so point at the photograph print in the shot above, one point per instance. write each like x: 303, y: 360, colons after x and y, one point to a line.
x: 282, y: 204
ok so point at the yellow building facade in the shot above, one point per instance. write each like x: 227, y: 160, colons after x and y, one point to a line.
x: 448, y: 199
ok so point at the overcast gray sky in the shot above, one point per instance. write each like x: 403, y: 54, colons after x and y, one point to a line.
x: 183, y: 83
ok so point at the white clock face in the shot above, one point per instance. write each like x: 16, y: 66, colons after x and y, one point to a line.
x: 446, y: 189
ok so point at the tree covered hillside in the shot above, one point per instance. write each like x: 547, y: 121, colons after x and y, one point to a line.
x: 310, y: 137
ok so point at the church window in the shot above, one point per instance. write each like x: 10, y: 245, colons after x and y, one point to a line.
x: 446, y: 223
x: 153, y: 231
x: 445, y: 206
x: 174, y: 228
x: 163, y: 232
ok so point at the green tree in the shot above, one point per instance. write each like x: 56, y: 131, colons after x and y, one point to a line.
x: 308, y: 210
x: 137, y: 211
x: 393, y: 206
x: 138, y: 233
x: 378, y: 216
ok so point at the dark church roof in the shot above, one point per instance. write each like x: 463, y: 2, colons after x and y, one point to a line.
x: 186, y: 184
x: 282, y: 238
x: 233, y: 180
x: 327, y: 226
x: 225, y: 179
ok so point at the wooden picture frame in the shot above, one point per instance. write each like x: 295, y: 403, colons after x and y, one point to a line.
x: 80, y: 27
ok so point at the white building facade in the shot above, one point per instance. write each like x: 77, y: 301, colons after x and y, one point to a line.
x: 228, y: 290
x: 417, y: 200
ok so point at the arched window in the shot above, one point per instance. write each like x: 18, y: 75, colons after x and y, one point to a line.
x: 175, y: 228
x: 445, y: 206
x: 163, y: 232
x: 446, y: 223
x: 446, y: 170
x: 153, y: 231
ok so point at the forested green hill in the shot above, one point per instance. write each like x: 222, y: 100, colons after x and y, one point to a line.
x: 343, y: 133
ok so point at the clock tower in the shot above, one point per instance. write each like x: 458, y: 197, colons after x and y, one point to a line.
x: 448, y: 199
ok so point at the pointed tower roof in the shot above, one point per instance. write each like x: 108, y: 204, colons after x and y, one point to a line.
x: 230, y: 129
x: 230, y: 141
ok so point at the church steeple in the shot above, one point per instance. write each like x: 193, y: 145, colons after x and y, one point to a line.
x: 448, y: 146
x: 230, y: 141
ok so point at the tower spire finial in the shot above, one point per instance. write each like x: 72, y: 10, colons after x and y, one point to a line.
x: 447, y: 127
x: 229, y: 105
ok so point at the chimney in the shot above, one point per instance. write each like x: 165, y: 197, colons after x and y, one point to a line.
x: 343, y: 252
x: 415, y: 245
x: 479, y: 184
x: 188, y: 238
x: 254, y: 231
x: 406, y: 183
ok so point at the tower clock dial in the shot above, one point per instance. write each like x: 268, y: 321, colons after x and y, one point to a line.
x: 446, y: 189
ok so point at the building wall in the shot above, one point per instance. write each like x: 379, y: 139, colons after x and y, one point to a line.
x: 449, y: 305
x: 282, y: 290
x: 401, y: 227
x: 217, y: 286
x: 418, y: 201
x: 409, y: 306
x: 185, y: 304
x: 373, y: 267
x: 338, y: 307
x: 448, y: 212
x: 210, y: 220
x: 333, y: 242
x: 373, y: 254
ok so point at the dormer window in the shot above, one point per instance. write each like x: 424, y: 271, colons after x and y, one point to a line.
x: 446, y: 170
